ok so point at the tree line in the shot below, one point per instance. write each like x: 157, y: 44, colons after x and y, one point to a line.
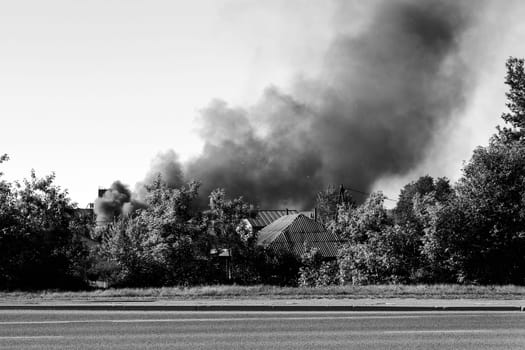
x: 471, y: 231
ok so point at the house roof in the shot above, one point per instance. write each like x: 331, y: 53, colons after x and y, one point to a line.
x: 263, y: 218
x: 293, y: 232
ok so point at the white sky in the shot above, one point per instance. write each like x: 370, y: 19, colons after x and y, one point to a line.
x: 93, y: 90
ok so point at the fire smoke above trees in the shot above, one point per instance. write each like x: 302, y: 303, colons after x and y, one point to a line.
x: 372, y: 113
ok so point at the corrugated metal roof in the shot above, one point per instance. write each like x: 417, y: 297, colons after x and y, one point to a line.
x: 265, y: 217
x: 293, y: 232
x: 309, y: 214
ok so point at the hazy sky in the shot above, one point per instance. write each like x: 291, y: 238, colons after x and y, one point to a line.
x: 93, y: 90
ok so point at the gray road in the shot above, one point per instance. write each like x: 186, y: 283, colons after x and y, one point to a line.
x: 260, y: 330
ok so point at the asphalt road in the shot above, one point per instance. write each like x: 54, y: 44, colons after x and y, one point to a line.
x: 261, y: 330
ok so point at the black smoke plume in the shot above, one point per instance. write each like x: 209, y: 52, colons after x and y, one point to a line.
x: 374, y: 111
x: 117, y: 200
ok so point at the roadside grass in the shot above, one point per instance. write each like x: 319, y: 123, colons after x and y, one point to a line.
x: 419, y: 291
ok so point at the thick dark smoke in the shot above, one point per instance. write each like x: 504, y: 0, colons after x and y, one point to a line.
x: 373, y: 113
x: 383, y: 95
x: 270, y: 161
x: 117, y: 200
x: 167, y: 166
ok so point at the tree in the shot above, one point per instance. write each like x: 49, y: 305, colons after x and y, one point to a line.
x: 376, y: 248
x: 361, y: 228
x: 328, y: 201
x: 492, y: 191
x: 316, y: 271
x: 357, y: 224
x: 515, y: 117
x: 224, y: 219
x: 404, y: 210
x: 479, y: 235
x: 443, y: 224
x: 4, y: 157
x: 276, y: 267
x: 411, y: 225
x: 6, y: 200
x: 162, y: 244
x: 225, y: 224
x: 493, y: 188
x: 37, y: 246
x: 7, y: 226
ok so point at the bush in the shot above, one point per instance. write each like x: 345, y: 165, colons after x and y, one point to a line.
x: 316, y: 271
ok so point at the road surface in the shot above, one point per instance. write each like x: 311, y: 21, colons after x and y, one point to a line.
x: 261, y: 330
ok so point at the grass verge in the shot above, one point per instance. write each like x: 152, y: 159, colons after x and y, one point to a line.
x: 420, y: 291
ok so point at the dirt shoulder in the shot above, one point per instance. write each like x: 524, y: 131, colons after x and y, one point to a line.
x: 269, y: 304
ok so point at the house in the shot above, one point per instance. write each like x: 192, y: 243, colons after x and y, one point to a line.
x: 295, y: 232
x: 262, y: 218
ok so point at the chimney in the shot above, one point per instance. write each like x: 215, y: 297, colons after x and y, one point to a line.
x: 101, y: 192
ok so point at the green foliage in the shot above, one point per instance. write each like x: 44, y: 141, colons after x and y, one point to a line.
x: 356, y: 225
x: 316, y: 271
x: 224, y: 221
x: 38, y: 248
x: 416, y: 200
x: 276, y: 267
x: 159, y: 245
x: 377, y: 249
x: 473, y: 232
x: 359, y: 228
x: 515, y: 79
x: 478, y: 235
x: 225, y: 224
x: 443, y: 223
x: 389, y: 256
x: 3, y: 158
x: 493, y: 189
x: 328, y: 202
x: 404, y: 210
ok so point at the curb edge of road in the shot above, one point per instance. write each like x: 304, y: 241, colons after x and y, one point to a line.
x: 282, y: 308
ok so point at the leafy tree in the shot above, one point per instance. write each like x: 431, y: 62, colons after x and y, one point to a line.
x: 328, y: 201
x: 6, y: 201
x: 357, y: 224
x: 37, y: 246
x: 404, y: 210
x: 411, y: 226
x: 515, y: 117
x: 226, y: 226
x: 161, y: 244
x: 359, y: 228
x: 492, y: 196
x: 443, y: 224
x: 493, y: 187
x: 376, y: 249
x: 479, y: 236
x: 224, y: 220
x: 7, y: 225
x: 386, y: 257
x: 316, y: 271
x: 276, y: 267
x: 4, y: 157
